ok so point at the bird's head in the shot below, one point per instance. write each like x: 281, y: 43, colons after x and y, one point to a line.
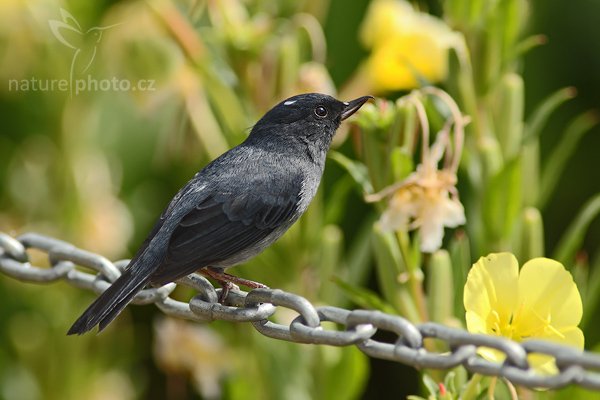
x: 310, y: 117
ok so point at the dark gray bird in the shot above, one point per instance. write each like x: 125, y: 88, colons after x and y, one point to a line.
x: 236, y: 206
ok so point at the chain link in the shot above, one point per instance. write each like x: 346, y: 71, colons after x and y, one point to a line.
x: 359, y: 326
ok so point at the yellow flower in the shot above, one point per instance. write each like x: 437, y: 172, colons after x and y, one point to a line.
x: 539, y: 302
x: 406, y: 45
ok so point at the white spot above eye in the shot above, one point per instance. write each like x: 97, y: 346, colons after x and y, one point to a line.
x: 289, y: 102
x: 346, y: 103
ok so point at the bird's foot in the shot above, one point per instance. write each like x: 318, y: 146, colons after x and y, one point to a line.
x: 226, y: 287
x: 229, y: 282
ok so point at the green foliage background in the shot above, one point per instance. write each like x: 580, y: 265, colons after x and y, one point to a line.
x: 97, y: 169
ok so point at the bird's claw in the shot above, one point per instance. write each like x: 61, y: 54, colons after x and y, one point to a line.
x: 229, y: 282
x: 226, y: 287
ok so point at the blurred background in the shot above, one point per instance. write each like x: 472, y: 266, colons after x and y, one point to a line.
x: 109, y: 107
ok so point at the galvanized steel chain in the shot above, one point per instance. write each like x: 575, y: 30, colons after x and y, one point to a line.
x: 257, y: 306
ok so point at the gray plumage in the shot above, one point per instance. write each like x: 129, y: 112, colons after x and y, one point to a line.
x: 236, y: 206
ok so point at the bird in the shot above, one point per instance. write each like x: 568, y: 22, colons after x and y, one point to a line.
x: 235, y: 207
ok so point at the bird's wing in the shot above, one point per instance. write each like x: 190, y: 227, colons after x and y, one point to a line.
x: 224, y: 225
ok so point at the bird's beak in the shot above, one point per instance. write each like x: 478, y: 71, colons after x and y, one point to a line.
x: 354, y: 105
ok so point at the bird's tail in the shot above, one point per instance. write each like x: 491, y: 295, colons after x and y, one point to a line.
x: 114, y: 299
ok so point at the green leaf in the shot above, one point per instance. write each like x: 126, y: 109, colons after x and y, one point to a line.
x: 490, y: 153
x: 440, y: 288
x: 225, y: 102
x: 529, y: 243
x: 502, y: 202
x: 530, y: 157
x: 502, y: 390
x: 562, y: 152
x: 336, y: 203
x: 289, y: 64
x: 591, y: 297
x: 472, y: 388
x: 575, y: 392
x: 431, y: 385
x: 512, y: 17
x: 571, y: 241
x: 580, y: 271
x: 539, y: 117
x: 461, y: 86
x: 358, y: 257
x: 449, y: 381
x: 460, y: 254
x: 374, y: 152
x: 526, y: 45
x: 402, y: 164
x: 437, y: 113
x: 206, y: 125
x: 509, y: 118
x: 332, y: 240
x: 390, y: 267
x: 344, y: 374
x: 363, y: 297
x: 357, y: 170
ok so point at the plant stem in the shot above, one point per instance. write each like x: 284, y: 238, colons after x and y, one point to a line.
x: 415, y: 276
x: 492, y: 388
x: 471, y: 389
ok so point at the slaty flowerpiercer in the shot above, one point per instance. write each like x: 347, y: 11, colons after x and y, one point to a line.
x: 235, y: 207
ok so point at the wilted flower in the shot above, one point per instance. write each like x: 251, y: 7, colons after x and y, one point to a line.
x: 427, y: 199
x: 539, y: 302
x: 406, y: 45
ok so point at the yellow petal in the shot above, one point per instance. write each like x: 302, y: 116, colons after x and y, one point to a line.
x: 385, y: 18
x: 491, y: 287
x: 542, y: 363
x: 491, y: 354
x: 476, y: 323
x: 545, y: 364
x: 400, y: 61
x: 573, y: 337
x: 549, y: 294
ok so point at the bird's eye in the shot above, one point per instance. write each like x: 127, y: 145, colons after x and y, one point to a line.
x: 321, y: 112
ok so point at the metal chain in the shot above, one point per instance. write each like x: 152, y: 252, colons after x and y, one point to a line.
x: 257, y: 306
